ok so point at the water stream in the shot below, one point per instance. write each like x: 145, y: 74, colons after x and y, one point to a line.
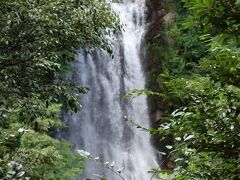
x: 99, y: 127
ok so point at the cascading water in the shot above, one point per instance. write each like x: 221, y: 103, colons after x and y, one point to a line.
x: 99, y: 127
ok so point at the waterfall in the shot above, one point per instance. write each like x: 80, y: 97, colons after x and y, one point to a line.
x: 99, y: 127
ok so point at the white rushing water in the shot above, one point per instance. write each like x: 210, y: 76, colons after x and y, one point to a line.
x: 99, y: 128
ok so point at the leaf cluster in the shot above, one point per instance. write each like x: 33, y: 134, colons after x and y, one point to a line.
x: 201, y: 82
x: 38, y: 41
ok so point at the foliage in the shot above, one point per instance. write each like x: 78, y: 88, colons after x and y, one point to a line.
x: 201, y: 85
x: 223, y: 65
x: 50, y: 159
x: 37, y: 153
x: 38, y: 40
x: 105, y: 164
x: 135, y: 93
x: 205, y: 128
x: 220, y: 15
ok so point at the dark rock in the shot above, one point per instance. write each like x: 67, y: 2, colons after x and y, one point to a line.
x: 156, y: 115
x: 161, y: 13
x: 169, y: 18
x: 158, y: 18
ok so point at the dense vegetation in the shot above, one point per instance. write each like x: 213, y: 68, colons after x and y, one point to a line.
x: 201, y: 82
x: 38, y: 39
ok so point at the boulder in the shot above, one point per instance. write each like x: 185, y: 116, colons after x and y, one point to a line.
x: 156, y: 115
x: 169, y: 18
x: 161, y: 13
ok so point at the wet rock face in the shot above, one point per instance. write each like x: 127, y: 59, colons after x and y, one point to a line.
x: 155, y: 12
x: 161, y: 13
x: 158, y: 16
x: 156, y: 115
x: 153, y: 7
x: 168, y: 18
